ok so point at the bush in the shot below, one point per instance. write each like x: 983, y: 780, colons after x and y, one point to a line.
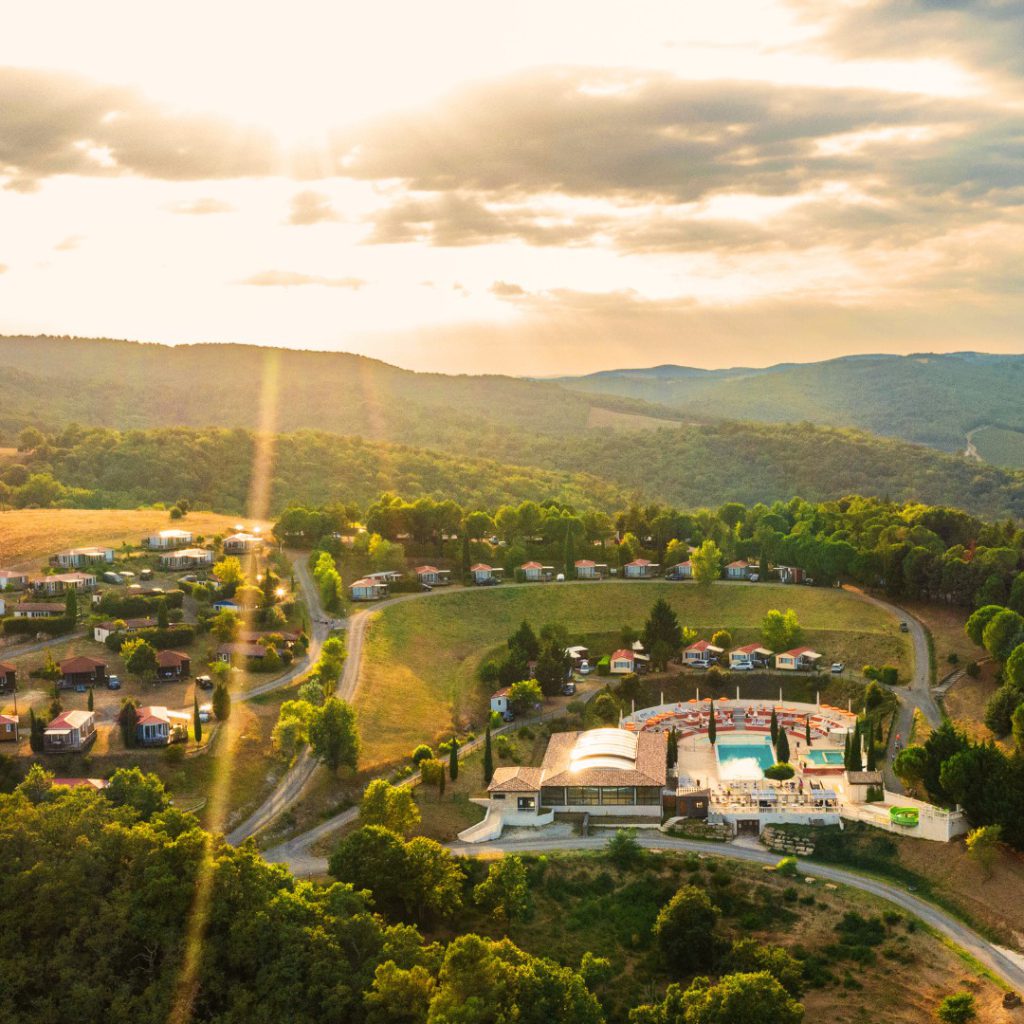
x: 604, y: 666
x: 685, y: 930
x: 779, y: 772
x: 973, y: 669
x: 889, y: 675
x: 873, y: 695
x: 957, y: 1009
x: 421, y: 753
x: 624, y: 850
x: 786, y: 867
x: 29, y: 627
x: 504, y: 746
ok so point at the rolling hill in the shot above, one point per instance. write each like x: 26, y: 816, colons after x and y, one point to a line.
x: 928, y: 399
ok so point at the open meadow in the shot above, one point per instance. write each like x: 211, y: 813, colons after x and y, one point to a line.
x: 419, y: 675
x: 29, y: 536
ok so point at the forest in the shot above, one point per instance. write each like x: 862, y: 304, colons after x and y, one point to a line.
x: 691, y: 467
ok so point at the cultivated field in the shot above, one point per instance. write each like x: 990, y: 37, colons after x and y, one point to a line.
x: 30, y: 536
x: 1000, y: 447
x: 421, y: 655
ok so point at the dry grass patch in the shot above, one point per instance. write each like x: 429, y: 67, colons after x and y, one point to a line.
x: 30, y: 536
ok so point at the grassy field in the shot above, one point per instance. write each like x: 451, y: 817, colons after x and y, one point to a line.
x: 421, y: 656
x: 30, y: 536
x: 1000, y: 447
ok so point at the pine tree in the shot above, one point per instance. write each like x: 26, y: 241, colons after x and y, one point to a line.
x: 197, y: 722
x: 488, y: 757
x: 453, y: 760
x: 782, y: 748
x: 712, y: 726
x: 775, y: 728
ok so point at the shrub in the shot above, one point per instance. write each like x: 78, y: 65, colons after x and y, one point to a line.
x: 504, y: 747
x: 889, y: 675
x: 604, y: 666
x: 421, y: 753
x: 973, y: 669
x: 779, y: 772
x: 873, y: 695
x: 685, y: 930
x: 957, y: 1009
x: 624, y: 850
x: 786, y: 867
x: 953, y: 658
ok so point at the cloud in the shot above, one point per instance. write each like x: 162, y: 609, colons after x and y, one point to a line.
x: 70, y: 243
x: 293, y: 279
x: 983, y: 36
x: 201, y: 207
x: 311, y: 208
x: 4, y: 268
x: 505, y: 290
x: 53, y: 123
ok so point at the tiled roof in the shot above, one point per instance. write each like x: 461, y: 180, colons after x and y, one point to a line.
x: 516, y: 780
x: 649, y: 768
x: 81, y: 663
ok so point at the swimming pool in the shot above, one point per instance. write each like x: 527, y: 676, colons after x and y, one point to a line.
x: 744, y: 761
x: 823, y: 757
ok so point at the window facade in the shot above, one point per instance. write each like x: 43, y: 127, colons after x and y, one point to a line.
x: 648, y: 796
x: 527, y: 803
x: 617, y: 796
x: 552, y: 796
x: 582, y: 796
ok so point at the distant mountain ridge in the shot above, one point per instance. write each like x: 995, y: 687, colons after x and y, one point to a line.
x: 925, y: 398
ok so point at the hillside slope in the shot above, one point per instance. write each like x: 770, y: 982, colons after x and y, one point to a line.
x: 930, y: 399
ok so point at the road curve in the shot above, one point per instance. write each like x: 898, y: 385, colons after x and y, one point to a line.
x: 917, y: 695
x: 966, y: 938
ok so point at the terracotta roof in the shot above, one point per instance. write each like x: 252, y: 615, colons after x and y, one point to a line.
x: 751, y: 649
x: 864, y: 778
x: 130, y: 623
x: 13, y: 574
x: 152, y: 715
x: 647, y: 769
x: 81, y: 663
x: 38, y: 606
x: 247, y: 650
x: 11, y: 719
x: 480, y: 567
x: 798, y: 652
x: 73, y: 719
x: 640, y: 561
x: 740, y: 563
x: 704, y: 645
x: 426, y: 568
x: 7, y: 666
x: 516, y: 780
x: 623, y: 653
x: 585, y: 563
x: 170, y: 659
x: 531, y: 565
x: 503, y: 692
x: 365, y: 582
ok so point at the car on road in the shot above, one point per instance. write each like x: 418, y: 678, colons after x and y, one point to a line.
x: 584, y: 669
x: 113, y: 683
x: 838, y: 667
x: 569, y: 690
x: 426, y: 586
x: 507, y: 716
x: 204, y: 682
x: 205, y: 712
x: 904, y: 627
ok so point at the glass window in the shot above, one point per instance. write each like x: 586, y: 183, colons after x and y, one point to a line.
x: 497, y: 796
x: 576, y: 796
x: 648, y: 796
x: 617, y: 795
x: 527, y: 803
x: 552, y: 796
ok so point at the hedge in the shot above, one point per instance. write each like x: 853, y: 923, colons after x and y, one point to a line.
x: 604, y: 666
x: 136, y: 606
x: 161, y: 639
x: 29, y: 627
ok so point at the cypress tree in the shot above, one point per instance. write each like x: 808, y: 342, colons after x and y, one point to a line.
x: 488, y: 757
x: 807, y: 729
x: 775, y: 728
x: 846, y: 752
x: 782, y: 748
x: 712, y: 727
x: 453, y: 760
x: 162, y: 618
x: 856, y: 763
x: 673, y: 748
x: 35, y: 735
x: 71, y: 605
x: 570, y: 554
x: 91, y: 701
x: 465, y: 557
x: 197, y: 722
x: 871, y: 745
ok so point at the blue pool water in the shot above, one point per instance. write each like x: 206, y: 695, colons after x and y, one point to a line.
x: 759, y: 752
x: 830, y: 757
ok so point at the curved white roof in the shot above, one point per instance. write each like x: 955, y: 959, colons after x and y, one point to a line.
x: 604, y: 748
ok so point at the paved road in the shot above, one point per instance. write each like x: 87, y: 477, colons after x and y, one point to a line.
x: 966, y: 938
x: 917, y: 695
x: 290, y: 787
x: 17, y: 650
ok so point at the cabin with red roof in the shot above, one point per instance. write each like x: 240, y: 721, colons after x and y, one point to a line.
x: 748, y: 657
x: 8, y: 675
x: 587, y: 569
x: 741, y: 569
x: 534, y: 572
x: 640, y: 569
x: 702, y: 654
x: 432, y: 576
x: 800, y: 659
x: 70, y: 732
x: 484, y: 574
x: 83, y: 671
x: 9, y: 728
x: 173, y: 665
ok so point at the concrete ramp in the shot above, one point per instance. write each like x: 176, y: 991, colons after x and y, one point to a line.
x: 484, y: 831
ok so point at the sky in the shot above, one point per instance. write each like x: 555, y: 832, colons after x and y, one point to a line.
x: 537, y: 189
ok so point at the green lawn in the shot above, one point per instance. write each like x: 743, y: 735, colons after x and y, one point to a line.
x: 421, y: 656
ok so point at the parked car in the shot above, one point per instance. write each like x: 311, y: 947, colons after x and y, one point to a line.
x: 569, y: 690
x: 204, y: 682
x: 113, y: 683
x: 507, y: 716
x: 560, y: 578
x: 80, y: 687
x: 754, y: 578
x: 904, y: 627
x: 489, y: 582
x: 205, y: 712
x: 838, y: 667
x: 584, y: 669
x: 145, y: 574
x: 426, y: 586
